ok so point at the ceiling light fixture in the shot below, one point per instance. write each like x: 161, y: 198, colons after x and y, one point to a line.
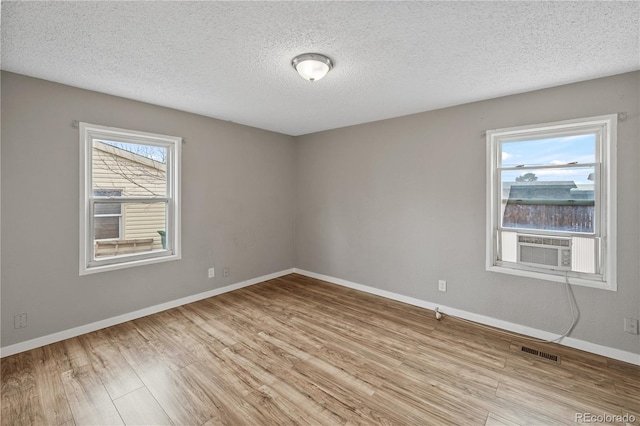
x: 312, y: 66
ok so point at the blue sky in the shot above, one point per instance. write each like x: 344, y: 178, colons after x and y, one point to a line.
x: 551, y: 151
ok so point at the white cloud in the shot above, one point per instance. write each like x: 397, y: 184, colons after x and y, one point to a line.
x: 506, y: 155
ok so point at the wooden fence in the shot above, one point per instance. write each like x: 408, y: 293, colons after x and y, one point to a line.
x: 572, y: 216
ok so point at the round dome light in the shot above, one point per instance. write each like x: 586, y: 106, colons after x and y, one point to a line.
x: 312, y: 66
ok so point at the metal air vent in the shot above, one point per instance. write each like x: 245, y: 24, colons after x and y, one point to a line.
x: 540, y: 354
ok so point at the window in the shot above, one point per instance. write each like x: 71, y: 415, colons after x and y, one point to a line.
x: 130, y: 198
x: 551, y: 199
x: 107, y: 217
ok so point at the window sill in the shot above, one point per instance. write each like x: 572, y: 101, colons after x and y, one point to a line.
x: 129, y: 264
x: 595, y: 283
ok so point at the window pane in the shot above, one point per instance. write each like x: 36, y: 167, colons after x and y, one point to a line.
x: 144, y: 226
x: 107, y: 208
x: 107, y: 227
x: 138, y: 169
x: 550, y: 151
x: 560, y: 199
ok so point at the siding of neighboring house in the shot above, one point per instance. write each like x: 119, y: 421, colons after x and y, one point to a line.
x: 135, y: 175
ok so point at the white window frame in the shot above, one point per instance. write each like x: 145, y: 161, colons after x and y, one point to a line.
x: 89, y: 264
x: 605, y: 229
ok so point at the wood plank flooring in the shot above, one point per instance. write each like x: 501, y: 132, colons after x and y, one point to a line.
x: 298, y: 351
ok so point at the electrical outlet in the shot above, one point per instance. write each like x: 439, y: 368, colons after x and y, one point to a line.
x: 212, y: 272
x: 442, y: 285
x: 631, y: 325
x: 20, y: 321
x: 225, y: 272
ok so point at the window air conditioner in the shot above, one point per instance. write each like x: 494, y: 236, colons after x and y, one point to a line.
x: 545, y: 252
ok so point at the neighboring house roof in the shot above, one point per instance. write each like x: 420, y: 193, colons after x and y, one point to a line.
x: 552, y: 183
x: 557, y: 190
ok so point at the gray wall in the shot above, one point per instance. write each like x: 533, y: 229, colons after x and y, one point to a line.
x: 400, y: 203
x: 384, y: 204
x: 237, y: 211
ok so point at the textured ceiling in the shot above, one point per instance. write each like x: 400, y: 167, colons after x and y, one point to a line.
x: 231, y: 60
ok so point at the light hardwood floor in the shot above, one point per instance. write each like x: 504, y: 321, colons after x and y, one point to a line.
x: 295, y: 350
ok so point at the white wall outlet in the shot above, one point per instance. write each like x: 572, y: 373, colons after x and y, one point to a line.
x: 212, y: 272
x: 225, y: 272
x: 442, y: 285
x: 631, y: 325
x: 20, y: 321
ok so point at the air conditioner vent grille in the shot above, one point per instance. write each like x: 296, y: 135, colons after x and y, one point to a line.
x: 545, y: 241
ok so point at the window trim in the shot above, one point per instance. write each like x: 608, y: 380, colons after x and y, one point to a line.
x: 89, y: 132
x: 606, y: 193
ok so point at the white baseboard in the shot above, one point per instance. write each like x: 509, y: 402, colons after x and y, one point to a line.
x: 571, y: 342
x: 98, y: 325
